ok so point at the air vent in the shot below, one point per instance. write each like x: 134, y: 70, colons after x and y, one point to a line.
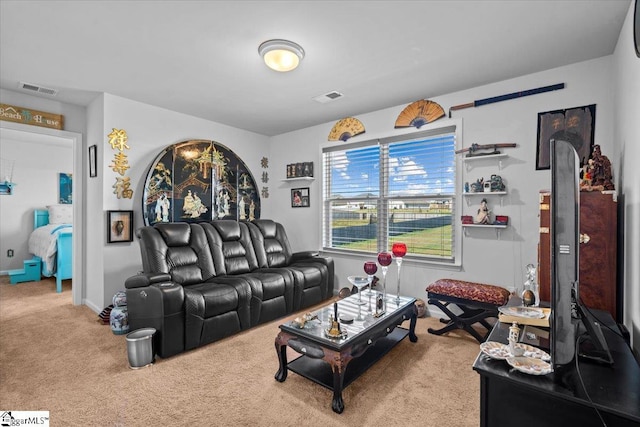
x: 328, y: 97
x: 39, y: 89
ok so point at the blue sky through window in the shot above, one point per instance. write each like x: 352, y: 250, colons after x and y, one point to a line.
x: 416, y: 167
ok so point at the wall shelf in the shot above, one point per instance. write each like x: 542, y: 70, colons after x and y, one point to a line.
x: 497, y: 227
x: 468, y: 160
x: 485, y: 193
x: 300, y: 178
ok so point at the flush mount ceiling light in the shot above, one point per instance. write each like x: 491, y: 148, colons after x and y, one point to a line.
x: 281, y: 55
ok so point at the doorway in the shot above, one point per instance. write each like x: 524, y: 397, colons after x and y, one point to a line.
x: 18, y: 131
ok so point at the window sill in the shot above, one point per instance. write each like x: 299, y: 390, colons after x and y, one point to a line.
x: 407, y: 260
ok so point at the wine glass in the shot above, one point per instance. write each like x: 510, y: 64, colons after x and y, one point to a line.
x: 399, y: 250
x: 384, y: 259
x: 359, y: 282
x: 370, y: 268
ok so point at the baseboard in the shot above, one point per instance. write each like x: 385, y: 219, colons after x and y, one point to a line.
x: 435, y: 312
x: 91, y: 306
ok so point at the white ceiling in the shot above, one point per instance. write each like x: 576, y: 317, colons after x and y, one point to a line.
x: 201, y: 57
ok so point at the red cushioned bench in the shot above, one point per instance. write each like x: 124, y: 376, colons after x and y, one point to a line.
x: 478, y: 301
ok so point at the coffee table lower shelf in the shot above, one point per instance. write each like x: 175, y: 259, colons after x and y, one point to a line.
x: 319, y: 371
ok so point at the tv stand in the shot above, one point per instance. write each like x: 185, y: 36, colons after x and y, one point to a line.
x: 509, y: 397
x: 592, y: 344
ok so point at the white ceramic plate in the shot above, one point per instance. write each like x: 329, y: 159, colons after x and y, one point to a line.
x: 500, y: 351
x: 529, y: 365
x: 527, y: 312
x: 534, y: 352
x: 495, y: 350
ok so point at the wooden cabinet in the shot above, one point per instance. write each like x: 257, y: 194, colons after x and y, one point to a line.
x: 598, y: 256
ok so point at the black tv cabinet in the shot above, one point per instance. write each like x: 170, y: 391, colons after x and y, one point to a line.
x: 509, y: 397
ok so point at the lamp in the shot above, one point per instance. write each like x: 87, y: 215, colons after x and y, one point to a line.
x: 281, y: 55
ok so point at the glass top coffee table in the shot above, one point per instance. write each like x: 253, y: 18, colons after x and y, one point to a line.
x: 336, y: 362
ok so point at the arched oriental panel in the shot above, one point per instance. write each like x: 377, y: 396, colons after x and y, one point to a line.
x: 199, y: 180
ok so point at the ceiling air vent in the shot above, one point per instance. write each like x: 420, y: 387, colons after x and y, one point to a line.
x: 39, y: 89
x: 328, y: 97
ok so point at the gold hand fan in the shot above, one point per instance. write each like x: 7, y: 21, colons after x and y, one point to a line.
x: 345, y: 129
x: 419, y: 113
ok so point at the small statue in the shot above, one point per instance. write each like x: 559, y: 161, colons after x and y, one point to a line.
x: 601, y: 170
x: 496, y: 183
x: 478, y: 186
x: 483, y: 213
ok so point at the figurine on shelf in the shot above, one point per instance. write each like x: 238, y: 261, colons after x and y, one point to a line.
x: 586, y: 174
x: 478, y: 186
x: 601, y: 174
x: 496, y: 183
x: 483, y: 216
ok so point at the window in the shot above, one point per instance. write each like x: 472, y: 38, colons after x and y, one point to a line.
x: 399, y: 189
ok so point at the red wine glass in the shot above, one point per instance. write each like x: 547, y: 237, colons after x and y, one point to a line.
x: 399, y: 250
x: 384, y: 259
x: 370, y: 268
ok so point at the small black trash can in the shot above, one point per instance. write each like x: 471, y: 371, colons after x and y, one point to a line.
x: 140, y: 348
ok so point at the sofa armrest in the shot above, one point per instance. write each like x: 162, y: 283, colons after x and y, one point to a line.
x: 305, y: 255
x: 145, y: 279
x: 154, y: 301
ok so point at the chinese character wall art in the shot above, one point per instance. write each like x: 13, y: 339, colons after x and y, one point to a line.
x: 199, y: 180
x: 575, y: 125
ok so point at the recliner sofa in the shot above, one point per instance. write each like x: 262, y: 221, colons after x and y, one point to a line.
x: 205, y: 281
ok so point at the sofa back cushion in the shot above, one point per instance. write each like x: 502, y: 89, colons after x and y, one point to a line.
x: 180, y: 249
x: 234, y: 247
x: 272, y: 241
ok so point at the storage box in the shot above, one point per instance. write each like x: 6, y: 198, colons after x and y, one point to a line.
x: 467, y: 219
x: 501, y: 220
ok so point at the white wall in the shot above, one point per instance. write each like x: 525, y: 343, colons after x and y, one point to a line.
x: 626, y: 81
x: 150, y: 129
x: 74, y: 115
x: 485, y: 258
x: 36, y: 168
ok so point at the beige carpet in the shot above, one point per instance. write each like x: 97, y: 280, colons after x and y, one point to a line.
x: 59, y: 358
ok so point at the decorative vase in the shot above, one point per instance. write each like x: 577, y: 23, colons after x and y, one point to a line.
x: 119, y: 320
x: 119, y: 299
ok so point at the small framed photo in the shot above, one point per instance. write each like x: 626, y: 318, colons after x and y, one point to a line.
x: 119, y: 226
x: 300, y: 197
x: 93, y: 161
x: 307, y: 169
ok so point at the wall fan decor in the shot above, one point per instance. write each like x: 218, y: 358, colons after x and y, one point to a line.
x: 345, y: 129
x: 419, y: 113
x: 199, y: 180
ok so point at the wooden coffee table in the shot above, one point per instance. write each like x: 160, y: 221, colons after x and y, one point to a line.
x: 336, y: 362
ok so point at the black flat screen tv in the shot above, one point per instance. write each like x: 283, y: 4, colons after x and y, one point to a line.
x: 570, y: 319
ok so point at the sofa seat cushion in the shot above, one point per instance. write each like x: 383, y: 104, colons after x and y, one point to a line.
x: 266, y: 285
x: 312, y: 274
x: 210, y: 299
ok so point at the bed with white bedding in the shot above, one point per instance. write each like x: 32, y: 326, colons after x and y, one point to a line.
x: 51, y: 241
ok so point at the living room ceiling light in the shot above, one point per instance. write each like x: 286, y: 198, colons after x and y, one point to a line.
x: 281, y: 55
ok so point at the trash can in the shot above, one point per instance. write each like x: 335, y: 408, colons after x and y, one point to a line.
x: 140, y: 348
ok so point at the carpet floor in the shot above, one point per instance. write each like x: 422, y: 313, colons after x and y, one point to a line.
x: 58, y: 357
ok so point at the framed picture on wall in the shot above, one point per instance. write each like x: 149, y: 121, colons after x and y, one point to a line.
x: 65, y: 188
x: 93, y: 161
x: 119, y: 226
x: 574, y: 125
x: 300, y: 197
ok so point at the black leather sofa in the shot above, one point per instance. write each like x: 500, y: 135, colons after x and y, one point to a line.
x: 204, y: 281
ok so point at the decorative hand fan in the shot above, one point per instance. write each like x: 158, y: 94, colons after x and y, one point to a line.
x: 345, y: 129
x: 419, y: 113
